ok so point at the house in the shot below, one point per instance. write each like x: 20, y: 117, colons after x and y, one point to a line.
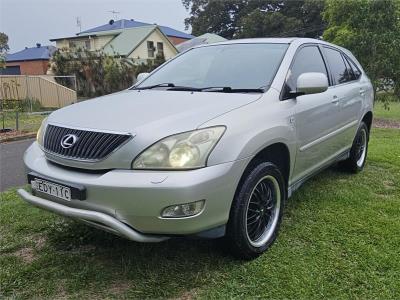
x: 207, y: 38
x: 30, y: 61
x: 139, y: 43
x: 175, y: 36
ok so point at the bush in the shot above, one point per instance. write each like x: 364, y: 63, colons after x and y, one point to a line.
x: 98, y: 73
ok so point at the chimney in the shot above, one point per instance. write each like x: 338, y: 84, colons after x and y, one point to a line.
x: 38, y: 45
x: 123, y: 23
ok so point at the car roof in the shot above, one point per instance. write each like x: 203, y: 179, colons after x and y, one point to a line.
x: 287, y: 40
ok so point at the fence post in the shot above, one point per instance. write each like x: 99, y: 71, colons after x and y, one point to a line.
x: 17, y: 120
x: 76, y: 88
x: 28, y: 92
x: 58, y: 97
x: 40, y: 90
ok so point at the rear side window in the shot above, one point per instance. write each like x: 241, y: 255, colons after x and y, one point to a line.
x: 349, y: 71
x: 355, y: 69
x: 307, y: 59
x: 337, y: 66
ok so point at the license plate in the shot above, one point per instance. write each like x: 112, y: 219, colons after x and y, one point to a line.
x: 51, y: 189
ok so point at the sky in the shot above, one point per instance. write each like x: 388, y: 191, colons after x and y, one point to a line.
x: 27, y: 22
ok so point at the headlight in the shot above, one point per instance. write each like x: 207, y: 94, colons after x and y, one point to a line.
x: 188, y: 150
x: 40, y: 132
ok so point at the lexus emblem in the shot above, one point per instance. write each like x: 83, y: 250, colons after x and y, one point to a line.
x: 68, y: 141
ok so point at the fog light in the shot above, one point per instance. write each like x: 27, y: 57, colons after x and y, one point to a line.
x: 183, y: 210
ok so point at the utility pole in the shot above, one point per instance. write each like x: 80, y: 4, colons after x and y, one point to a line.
x: 79, y: 23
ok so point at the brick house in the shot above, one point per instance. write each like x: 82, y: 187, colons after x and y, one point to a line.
x: 30, y: 61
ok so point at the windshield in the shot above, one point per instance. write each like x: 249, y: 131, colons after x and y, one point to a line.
x: 234, y: 66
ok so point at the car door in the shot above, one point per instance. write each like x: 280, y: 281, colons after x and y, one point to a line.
x: 349, y: 95
x: 315, y: 114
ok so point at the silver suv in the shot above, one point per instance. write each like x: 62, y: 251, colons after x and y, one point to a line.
x: 211, y: 144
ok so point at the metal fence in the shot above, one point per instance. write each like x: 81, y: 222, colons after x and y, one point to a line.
x: 45, y: 90
x: 21, y: 121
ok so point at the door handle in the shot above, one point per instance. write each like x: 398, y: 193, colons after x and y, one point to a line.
x: 362, y: 92
x: 335, y: 100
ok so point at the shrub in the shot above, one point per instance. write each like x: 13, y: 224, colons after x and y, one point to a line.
x: 98, y: 73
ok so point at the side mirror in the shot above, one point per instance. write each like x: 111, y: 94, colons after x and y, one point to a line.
x: 141, y: 77
x: 311, y: 83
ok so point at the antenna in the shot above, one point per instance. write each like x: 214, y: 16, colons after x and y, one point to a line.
x: 79, y: 23
x: 115, y: 14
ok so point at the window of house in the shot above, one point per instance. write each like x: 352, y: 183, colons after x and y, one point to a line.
x: 337, y: 66
x: 307, y: 59
x: 160, y: 48
x: 87, y: 44
x: 150, y: 48
x: 83, y: 44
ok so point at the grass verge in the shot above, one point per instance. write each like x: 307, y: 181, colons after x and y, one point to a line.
x: 393, y: 113
x: 27, y: 122
x: 339, y: 239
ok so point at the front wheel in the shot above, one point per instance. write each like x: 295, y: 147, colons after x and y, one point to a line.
x: 256, y: 211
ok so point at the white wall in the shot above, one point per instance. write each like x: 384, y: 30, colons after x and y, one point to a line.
x: 155, y: 37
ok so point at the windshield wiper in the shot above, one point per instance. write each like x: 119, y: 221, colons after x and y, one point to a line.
x: 228, y: 89
x: 223, y: 89
x: 185, y: 88
x: 165, y: 84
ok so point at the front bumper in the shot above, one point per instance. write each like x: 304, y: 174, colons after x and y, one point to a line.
x: 95, y: 218
x: 129, y: 202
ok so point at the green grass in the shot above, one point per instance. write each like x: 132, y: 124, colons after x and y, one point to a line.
x: 339, y: 239
x: 27, y: 122
x: 393, y: 113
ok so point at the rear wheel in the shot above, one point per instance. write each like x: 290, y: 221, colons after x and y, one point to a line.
x: 358, y: 152
x: 256, y: 211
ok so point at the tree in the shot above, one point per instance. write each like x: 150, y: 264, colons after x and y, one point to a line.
x: 371, y: 30
x: 255, y: 18
x: 267, y: 24
x: 3, y: 48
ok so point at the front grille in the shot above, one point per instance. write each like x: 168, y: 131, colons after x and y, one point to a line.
x: 90, y: 145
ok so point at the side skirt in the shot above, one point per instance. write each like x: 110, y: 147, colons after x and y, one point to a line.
x: 296, y: 185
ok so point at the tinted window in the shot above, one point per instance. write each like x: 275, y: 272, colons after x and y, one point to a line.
x: 355, y: 69
x: 350, y: 76
x: 337, y: 66
x: 307, y: 59
x: 240, y: 66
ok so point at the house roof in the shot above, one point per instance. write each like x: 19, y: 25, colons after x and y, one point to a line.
x: 122, y: 24
x: 129, y: 39
x: 207, y: 38
x: 34, y: 53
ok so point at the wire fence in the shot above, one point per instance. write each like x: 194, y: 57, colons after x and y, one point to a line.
x: 11, y: 120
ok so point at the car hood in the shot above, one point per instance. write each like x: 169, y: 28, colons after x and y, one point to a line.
x: 147, y: 115
x: 168, y: 111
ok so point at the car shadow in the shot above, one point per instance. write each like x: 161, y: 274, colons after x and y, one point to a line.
x: 166, y: 269
x: 149, y: 269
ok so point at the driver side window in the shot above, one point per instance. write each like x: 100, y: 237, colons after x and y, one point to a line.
x: 307, y: 59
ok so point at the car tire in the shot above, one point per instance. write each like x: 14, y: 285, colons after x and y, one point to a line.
x: 256, y: 211
x: 359, y: 150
